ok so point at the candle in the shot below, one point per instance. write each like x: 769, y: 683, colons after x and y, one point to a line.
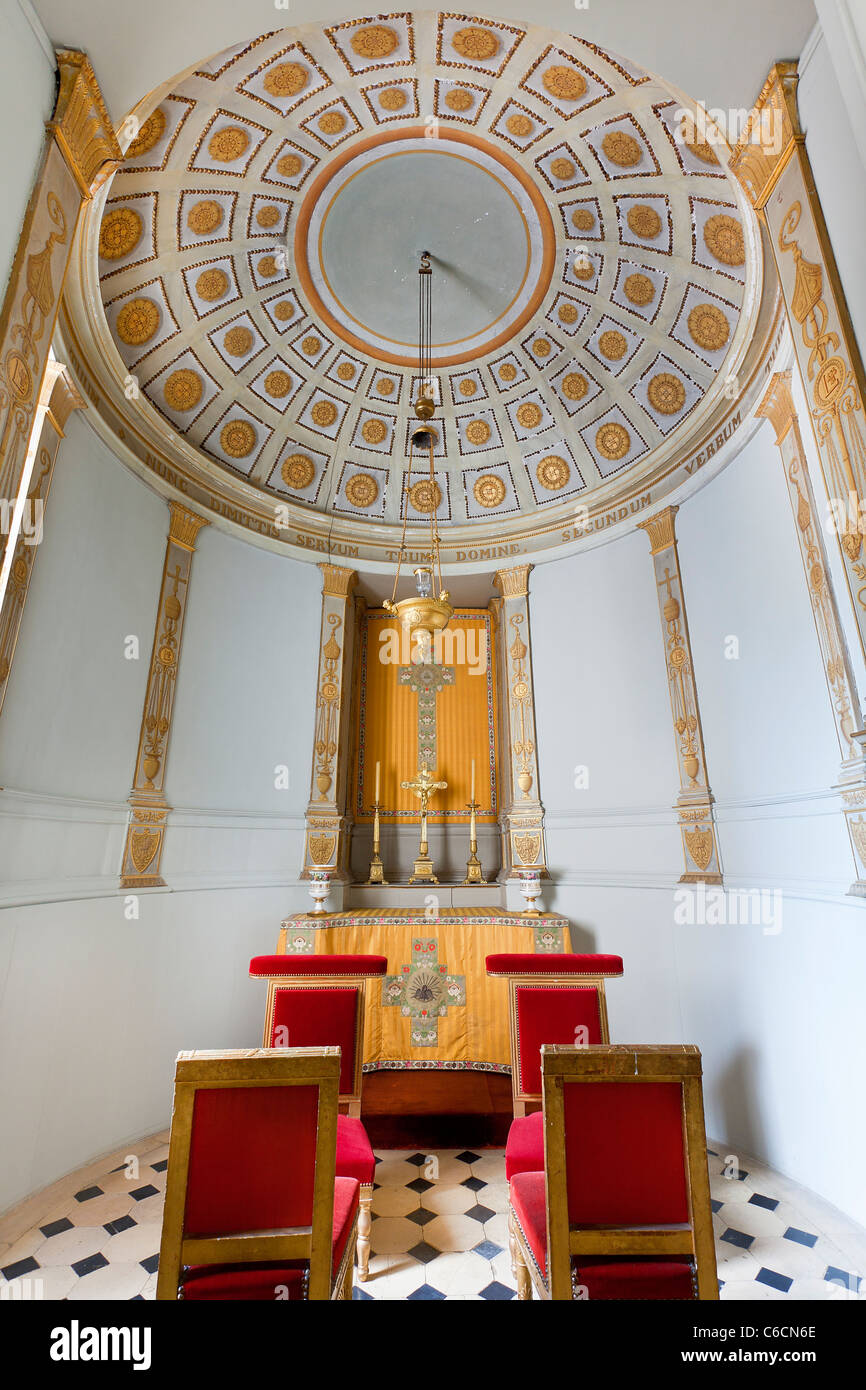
x: 472, y: 793
x: 377, y: 781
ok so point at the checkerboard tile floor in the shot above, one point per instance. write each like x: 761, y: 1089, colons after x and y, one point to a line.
x: 439, y: 1231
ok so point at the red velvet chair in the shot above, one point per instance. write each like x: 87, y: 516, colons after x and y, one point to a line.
x: 622, y: 1208
x: 550, y: 998
x: 319, y: 1000
x: 253, y: 1209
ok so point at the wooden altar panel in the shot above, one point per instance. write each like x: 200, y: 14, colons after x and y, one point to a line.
x: 386, y: 722
x: 464, y: 1022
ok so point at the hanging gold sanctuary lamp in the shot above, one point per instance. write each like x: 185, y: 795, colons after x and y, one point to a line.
x: 424, y: 613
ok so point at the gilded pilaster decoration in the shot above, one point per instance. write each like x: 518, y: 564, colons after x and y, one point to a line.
x: 58, y: 398
x: 80, y: 151
x: 326, y: 843
x: 778, y: 407
x: 772, y: 164
x: 694, y: 804
x: 522, y: 818
x: 145, y: 832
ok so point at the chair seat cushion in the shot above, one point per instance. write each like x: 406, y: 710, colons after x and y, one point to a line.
x: 527, y: 1201
x: 355, y: 1158
x: 270, y: 966
x: 518, y: 963
x: 524, y: 1148
x: 602, y: 1276
x: 272, y: 1281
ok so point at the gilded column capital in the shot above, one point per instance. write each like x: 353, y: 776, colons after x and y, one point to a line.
x: 769, y: 135
x: 777, y: 404
x: 184, y: 525
x: 514, y: 582
x: 337, y: 581
x: 660, y: 529
x: 63, y: 399
x: 81, y: 125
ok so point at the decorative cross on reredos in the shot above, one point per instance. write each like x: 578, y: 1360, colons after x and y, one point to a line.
x: 424, y: 992
x: 427, y: 680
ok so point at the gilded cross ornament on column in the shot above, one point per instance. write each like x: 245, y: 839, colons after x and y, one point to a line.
x: 694, y: 804
x: 145, y: 834
x: 522, y: 820
x: 424, y: 785
x: 778, y: 407
x: 772, y: 163
x: 326, y: 843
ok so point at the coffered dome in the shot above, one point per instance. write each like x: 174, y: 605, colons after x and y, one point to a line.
x: 596, y: 284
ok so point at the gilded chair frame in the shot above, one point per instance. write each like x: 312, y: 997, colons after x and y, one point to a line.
x: 350, y: 1104
x: 692, y: 1239
x: 256, y: 1067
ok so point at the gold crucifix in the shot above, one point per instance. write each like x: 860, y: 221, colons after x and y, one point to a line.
x: 423, y: 785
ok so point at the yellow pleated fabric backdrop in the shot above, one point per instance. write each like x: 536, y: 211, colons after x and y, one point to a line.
x: 387, y: 715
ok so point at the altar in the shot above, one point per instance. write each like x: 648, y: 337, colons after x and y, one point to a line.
x: 436, y: 1007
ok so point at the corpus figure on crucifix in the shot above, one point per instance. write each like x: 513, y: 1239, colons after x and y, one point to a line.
x: 423, y: 785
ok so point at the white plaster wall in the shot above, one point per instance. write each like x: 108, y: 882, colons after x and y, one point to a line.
x: 773, y: 1012
x: 777, y: 1013
x: 601, y: 703
x: 95, y: 1008
x: 27, y: 93
x: 94, y: 1005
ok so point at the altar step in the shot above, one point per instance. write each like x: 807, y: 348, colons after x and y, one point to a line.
x: 358, y: 895
x: 436, y: 1109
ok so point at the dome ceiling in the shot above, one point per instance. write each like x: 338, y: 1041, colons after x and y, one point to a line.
x: 595, y: 278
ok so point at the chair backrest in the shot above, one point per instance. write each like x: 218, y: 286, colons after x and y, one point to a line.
x: 251, y: 1162
x: 626, y: 1159
x: 319, y: 1001
x: 552, y: 999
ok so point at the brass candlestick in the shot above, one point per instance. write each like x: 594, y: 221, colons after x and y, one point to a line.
x: 377, y: 871
x: 473, y: 863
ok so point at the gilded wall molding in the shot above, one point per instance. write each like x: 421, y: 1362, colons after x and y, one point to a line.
x: 81, y: 125
x: 328, y: 826
x: 773, y: 166
x: 58, y: 398
x: 694, y: 804
x: 778, y: 407
x: 79, y: 153
x: 145, y: 834
x: 522, y: 815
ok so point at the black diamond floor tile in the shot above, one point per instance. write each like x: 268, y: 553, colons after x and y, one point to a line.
x: 757, y: 1199
x: 424, y: 1253
x: 87, y: 1193
x: 739, y: 1238
x: 123, y: 1223
x: 468, y: 1156
x: 14, y: 1271
x: 474, y: 1184
x: 480, y: 1213
x: 90, y: 1265
x: 420, y: 1216
x: 498, y: 1291
x: 419, y: 1185
x: 54, y: 1228
x: 774, y: 1280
